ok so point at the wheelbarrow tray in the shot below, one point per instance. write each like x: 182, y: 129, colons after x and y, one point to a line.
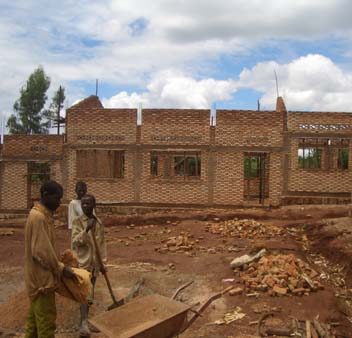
x: 152, y: 316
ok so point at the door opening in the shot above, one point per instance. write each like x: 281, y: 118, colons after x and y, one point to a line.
x: 256, y: 176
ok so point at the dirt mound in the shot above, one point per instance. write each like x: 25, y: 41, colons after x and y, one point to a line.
x: 13, y: 313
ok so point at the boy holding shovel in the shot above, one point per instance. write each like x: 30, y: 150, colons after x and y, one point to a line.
x: 83, y: 230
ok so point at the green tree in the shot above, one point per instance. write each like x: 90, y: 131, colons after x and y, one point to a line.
x: 29, y: 117
x: 53, y: 113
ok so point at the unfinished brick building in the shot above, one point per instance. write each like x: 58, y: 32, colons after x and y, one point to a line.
x: 179, y: 157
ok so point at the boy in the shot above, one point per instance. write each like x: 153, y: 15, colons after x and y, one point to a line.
x: 75, y: 208
x: 83, y: 228
x: 42, y: 267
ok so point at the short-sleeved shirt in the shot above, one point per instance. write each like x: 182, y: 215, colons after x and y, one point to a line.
x: 83, y: 245
x: 74, y: 211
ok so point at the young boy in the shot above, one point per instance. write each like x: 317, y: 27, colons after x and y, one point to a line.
x: 42, y: 267
x: 83, y: 228
x: 75, y: 208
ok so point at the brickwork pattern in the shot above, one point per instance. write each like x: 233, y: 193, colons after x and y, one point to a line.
x: 90, y: 126
x: 275, y: 178
x: 175, y: 126
x: 89, y: 102
x: 70, y: 171
x: 229, y: 183
x: 105, y: 190
x: 56, y: 171
x: 14, y: 185
x: 249, y: 128
x: 32, y: 146
x: 174, y: 190
x: 318, y: 180
x: 321, y: 122
x: 101, y: 126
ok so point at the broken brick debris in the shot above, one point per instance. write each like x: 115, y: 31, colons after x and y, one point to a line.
x: 279, y: 275
x: 244, y: 228
x: 184, y: 242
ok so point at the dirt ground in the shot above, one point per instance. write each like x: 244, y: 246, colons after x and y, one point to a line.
x: 320, y: 236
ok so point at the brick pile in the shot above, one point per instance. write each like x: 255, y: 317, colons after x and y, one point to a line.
x: 244, y: 228
x: 279, y: 275
x: 182, y: 243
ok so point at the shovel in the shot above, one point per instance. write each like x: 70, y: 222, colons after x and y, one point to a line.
x: 115, y: 303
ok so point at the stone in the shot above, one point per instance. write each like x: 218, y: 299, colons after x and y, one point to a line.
x: 279, y: 290
x: 299, y: 291
x: 163, y: 250
x: 236, y: 291
x: 171, y: 242
x: 7, y: 232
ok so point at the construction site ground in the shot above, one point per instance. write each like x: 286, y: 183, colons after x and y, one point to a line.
x: 141, y: 245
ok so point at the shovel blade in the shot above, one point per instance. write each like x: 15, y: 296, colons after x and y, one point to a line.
x: 116, y: 304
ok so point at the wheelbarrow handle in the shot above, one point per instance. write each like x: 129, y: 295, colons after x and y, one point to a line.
x: 205, y: 305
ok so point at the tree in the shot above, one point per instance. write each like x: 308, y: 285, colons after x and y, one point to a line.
x: 29, y: 117
x: 53, y: 113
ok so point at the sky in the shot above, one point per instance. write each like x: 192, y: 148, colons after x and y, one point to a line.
x: 181, y: 53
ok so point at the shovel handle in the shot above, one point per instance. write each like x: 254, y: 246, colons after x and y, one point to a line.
x: 100, y: 261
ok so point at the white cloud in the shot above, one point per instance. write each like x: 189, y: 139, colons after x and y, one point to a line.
x: 312, y: 82
x: 79, y: 41
x: 174, y: 89
x: 125, y: 100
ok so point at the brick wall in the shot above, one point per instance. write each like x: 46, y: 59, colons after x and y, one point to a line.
x: 318, y: 180
x: 70, y: 173
x: 105, y: 190
x: 32, y: 146
x: 248, y: 131
x: 275, y: 178
x: 18, y: 150
x: 319, y: 122
x: 249, y: 128
x: 315, y: 181
x: 14, y: 185
x: 101, y: 126
x: 176, y: 190
x: 318, y: 126
x: 56, y: 171
x: 91, y: 126
x: 228, y: 183
x: 221, y: 148
x: 175, y: 126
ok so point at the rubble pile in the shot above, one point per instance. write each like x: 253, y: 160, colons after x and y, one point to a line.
x: 335, y: 274
x: 244, y: 228
x: 182, y: 243
x: 279, y: 275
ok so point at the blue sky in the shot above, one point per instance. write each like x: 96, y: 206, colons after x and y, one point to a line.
x: 187, y: 54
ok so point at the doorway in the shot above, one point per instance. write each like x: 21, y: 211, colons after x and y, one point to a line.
x: 256, y: 176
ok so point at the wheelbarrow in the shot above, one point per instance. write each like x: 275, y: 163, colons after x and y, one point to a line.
x: 152, y: 316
